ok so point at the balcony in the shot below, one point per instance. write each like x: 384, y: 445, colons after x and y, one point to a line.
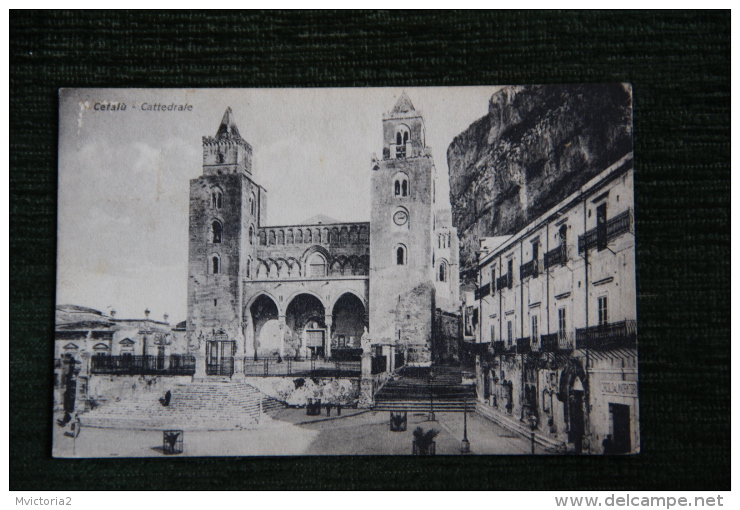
x: 615, y: 227
x: 556, y: 257
x: 143, y: 365
x: 523, y: 345
x: 483, y: 291
x: 531, y: 268
x: 499, y: 347
x: 504, y: 282
x: 614, y: 335
x: 556, y: 342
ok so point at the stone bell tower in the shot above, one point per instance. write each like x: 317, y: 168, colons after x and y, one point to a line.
x: 402, y: 292
x: 225, y: 212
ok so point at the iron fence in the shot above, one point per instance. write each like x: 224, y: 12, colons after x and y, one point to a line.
x: 224, y: 368
x: 143, y: 365
x: 301, y: 367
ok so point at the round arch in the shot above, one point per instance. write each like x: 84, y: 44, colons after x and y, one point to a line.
x: 348, y: 321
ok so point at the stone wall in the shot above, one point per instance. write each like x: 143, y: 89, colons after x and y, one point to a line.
x: 296, y: 391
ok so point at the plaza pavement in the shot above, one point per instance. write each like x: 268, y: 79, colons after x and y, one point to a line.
x: 291, y: 432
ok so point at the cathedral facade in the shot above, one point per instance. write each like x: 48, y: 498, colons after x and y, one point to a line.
x: 314, y: 289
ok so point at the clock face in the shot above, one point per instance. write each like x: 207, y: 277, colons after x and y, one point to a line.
x: 400, y: 218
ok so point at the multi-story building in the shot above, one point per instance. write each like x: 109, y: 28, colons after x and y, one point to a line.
x: 554, y: 319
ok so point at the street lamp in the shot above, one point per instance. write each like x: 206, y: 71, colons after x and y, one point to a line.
x: 533, y: 420
x: 431, y: 396
x: 465, y: 445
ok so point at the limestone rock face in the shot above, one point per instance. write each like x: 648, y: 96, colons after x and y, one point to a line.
x: 537, y: 145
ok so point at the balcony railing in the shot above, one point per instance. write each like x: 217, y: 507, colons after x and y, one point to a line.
x: 483, y: 291
x: 556, y: 257
x: 556, y: 342
x: 143, y: 365
x: 615, y: 227
x: 530, y: 268
x: 614, y: 335
x: 224, y: 368
x: 523, y: 345
x: 504, y: 281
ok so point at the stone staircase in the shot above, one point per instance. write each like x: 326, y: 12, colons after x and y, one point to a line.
x: 201, y: 405
x: 414, y: 391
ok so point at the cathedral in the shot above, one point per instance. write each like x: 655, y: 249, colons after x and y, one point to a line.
x: 315, y: 289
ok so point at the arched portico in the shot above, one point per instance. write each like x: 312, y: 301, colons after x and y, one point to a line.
x: 308, y: 326
x: 263, y: 332
x: 349, y: 318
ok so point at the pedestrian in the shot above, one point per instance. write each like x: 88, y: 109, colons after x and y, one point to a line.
x: 608, y: 445
x: 339, y: 409
x: 328, y: 409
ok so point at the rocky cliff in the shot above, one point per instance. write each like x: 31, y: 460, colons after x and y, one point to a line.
x: 537, y: 144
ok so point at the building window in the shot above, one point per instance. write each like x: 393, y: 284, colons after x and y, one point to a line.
x: 601, y: 227
x: 443, y: 271
x: 535, y: 329
x: 317, y: 265
x: 603, y: 311
x: 217, y: 230
x: 252, y: 204
x: 561, y: 322
x: 493, y: 333
x: 217, y: 199
x: 251, y: 235
x: 249, y: 268
x: 216, y: 264
x: 510, y: 267
x: 509, y: 333
x: 400, y: 252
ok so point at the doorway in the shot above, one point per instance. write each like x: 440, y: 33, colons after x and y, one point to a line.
x: 620, y: 424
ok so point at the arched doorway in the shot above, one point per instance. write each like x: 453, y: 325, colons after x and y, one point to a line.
x: 307, y: 332
x: 348, y: 322
x: 266, y: 336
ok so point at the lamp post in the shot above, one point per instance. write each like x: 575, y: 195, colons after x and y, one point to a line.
x: 465, y: 445
x: 431, y: 396
x: 533, y: 420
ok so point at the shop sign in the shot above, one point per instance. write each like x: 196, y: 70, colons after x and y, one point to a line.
x: 624, y: 388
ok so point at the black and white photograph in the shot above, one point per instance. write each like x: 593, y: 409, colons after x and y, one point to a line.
x: 346, y: 271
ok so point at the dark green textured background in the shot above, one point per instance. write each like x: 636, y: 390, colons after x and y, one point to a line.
x: 679, y: 65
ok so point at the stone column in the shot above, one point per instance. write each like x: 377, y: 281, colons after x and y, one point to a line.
x: 281, y: 321
x: 200, y: 360
x: 327, y: 340
x: 365, y: 400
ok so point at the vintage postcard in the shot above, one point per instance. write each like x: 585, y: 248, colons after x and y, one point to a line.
x: 428, y: 271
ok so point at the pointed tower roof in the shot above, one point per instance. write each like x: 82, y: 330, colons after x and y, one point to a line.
x: 228, y: 128
x: 403, y: 104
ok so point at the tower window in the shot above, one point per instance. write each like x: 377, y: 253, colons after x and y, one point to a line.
x: 251, y: 235
x: 215, y: 264
x: 443, y: 271
x: 217, y: 230
x: 252, y: 202
x: 401, y: 187
x: 402, y: 137
x: 216, y: 199
x: 249, y: 268
x: 401, y: 259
